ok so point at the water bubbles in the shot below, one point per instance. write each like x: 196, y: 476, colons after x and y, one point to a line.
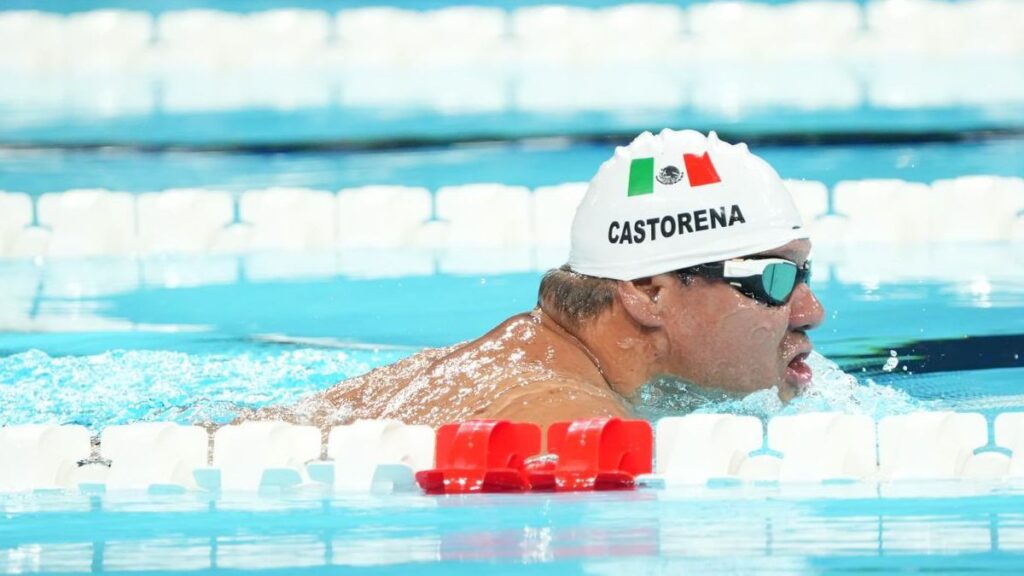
x: 667, y: 396
x: 831, y: 390
x: 891, y: 362
x: 124, y: 386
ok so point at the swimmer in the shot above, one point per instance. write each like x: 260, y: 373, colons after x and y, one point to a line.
x: 688, y: 262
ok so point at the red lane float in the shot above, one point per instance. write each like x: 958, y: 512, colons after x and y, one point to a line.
x: 595, y: 454
x: 481, y: 456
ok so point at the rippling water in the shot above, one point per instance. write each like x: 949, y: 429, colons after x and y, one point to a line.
x: 786, y: 530
x: 124, y: 386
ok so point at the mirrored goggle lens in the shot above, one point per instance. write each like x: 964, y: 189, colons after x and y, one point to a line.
x: 779, y: 279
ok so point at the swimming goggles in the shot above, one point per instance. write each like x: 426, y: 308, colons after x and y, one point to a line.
x: 770, y: 281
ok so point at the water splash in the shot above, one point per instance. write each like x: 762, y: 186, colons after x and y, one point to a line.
x: 124, y: 386
x: 831, y: 390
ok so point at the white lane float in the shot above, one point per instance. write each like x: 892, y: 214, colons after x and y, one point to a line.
x: 375, y: 456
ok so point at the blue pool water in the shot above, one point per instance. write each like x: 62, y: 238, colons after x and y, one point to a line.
x: 105, y: 341
x: 531, y: 164
x: 108, y: 341
x: 212, y: 349
x: 711, y: 531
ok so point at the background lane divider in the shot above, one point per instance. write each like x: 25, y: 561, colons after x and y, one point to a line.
x: 468, y: 220
x: 808, y: 55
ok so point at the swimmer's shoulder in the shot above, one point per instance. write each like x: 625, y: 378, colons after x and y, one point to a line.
x: 557, y: 399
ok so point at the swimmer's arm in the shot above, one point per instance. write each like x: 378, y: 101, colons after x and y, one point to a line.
x: 546, y: 405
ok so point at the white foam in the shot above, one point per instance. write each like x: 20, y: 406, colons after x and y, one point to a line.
x: 41, y: 456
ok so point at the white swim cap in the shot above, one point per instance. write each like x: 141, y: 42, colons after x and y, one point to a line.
x: 679, y: 199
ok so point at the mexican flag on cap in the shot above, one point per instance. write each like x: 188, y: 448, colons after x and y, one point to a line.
x: 698, y: 170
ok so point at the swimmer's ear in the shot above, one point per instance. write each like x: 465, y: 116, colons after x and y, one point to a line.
x: 641, y: 299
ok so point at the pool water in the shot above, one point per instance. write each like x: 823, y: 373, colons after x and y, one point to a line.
x: 709, y: 531
x: 197, y: 339
x: 116, y: 340
x: 199, y: 352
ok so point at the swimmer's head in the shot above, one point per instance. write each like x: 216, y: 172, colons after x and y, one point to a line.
x: 676, y: 200
x: 694, y: 249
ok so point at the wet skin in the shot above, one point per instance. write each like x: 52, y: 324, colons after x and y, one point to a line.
x: 537, y: 367
x: 724, y: 340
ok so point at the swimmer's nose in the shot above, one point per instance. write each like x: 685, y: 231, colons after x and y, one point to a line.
x: 805, y: 311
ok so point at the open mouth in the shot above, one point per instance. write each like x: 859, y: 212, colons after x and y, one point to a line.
x: 798, y: 372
